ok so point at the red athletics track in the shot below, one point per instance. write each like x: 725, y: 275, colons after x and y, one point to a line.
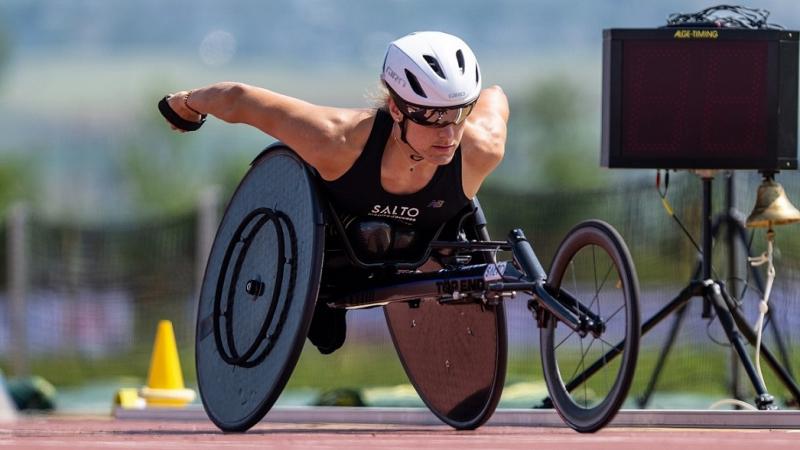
x: 91, y: 433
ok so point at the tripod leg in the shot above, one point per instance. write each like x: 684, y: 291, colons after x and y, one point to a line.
x: 780, y: 371
x: 644, y: 399
x: 714, y: 293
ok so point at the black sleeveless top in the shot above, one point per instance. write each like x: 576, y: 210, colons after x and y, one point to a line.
x: 359, y: 193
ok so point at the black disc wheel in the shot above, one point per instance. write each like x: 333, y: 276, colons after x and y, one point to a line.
x: 588, y: 373
x: 259, y: 290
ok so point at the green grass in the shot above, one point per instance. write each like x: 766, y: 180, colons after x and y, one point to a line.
x: 353, y: 366
x: 688, y: 370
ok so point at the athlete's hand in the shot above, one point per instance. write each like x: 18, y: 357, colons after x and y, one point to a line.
x: 179, y: 114
x: 176, y: 102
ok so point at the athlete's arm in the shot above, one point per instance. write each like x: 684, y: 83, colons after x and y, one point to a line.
x: 484, y: 141
x: 324, y: 137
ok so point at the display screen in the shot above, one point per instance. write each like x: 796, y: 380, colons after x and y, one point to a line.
x: 681, y: 99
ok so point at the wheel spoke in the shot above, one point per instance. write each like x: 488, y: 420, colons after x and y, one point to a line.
x: 615, y: 313
x: 606, y: 343
x: 611, y: 265
x: 574, y: 280
x: 563, y: 340
x: 595, y: 306
x: 602, y: 342
x: 605, y: 278
x: 583, y: 358
x: 585, y: 391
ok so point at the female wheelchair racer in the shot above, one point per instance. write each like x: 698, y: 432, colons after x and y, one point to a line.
x: 425, y: 158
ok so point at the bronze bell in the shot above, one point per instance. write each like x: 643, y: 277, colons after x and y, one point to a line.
x: 772, y: 206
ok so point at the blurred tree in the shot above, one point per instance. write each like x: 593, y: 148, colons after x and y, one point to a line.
x: 550, y: 178
x: 156, y: 166
x: 165, y: 171
x: 17, y: 172
x: 17, y: 180
x: 553, y: 142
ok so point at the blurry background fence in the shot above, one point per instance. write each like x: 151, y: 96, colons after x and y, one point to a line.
x: 81, y: 303
x: 92, y: 295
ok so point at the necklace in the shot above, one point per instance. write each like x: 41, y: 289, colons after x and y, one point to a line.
x: 415, y: 158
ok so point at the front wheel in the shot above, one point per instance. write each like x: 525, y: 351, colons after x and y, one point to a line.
x: 588, y: 376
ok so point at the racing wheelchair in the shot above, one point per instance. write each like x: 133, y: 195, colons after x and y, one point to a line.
x: 279, y: 250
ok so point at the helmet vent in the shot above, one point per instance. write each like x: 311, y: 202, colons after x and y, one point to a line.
x: 477, y: 75
x: 435, y: 66
x: 460, y: 59
x: 415, y: 86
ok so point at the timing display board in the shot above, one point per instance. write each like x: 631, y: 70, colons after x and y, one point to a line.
x: 700, y: 98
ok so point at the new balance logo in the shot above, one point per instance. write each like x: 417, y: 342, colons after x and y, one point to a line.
x: 436, y: 204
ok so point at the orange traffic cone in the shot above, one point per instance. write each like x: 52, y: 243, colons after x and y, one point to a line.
x: 165, y: 379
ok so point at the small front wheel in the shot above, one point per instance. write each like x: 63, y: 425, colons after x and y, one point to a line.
x: 588, y: 376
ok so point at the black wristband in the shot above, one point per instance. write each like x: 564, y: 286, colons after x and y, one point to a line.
x: 176, y: 120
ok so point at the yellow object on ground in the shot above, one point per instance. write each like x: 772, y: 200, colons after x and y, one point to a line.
x: 165, y: 379
x: 128, y: 398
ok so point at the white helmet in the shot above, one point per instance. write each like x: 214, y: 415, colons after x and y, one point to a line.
x: 433, y: 69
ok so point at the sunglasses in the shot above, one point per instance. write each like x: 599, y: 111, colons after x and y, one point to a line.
x: 435, y: 117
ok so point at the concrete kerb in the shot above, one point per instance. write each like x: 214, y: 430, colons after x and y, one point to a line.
x: 788, y: 419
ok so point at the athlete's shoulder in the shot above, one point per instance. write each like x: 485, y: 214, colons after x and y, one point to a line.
x: 486, y: 129
x: 350, y: 129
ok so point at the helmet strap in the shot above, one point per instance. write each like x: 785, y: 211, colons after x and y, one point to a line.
x: 416, y: 156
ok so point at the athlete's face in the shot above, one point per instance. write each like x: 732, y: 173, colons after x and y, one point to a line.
x: 436, y: 144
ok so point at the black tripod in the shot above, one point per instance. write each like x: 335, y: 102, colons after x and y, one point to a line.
x: 731, y: 318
